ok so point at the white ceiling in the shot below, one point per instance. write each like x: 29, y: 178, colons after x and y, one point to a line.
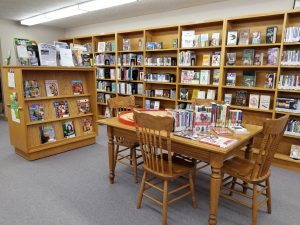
x: 23, y: 9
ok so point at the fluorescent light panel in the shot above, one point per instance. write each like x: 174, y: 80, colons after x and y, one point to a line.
x: 74, y: 10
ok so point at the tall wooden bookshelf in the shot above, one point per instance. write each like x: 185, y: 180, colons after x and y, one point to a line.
x: 25, y: 135
x: 168, y: 34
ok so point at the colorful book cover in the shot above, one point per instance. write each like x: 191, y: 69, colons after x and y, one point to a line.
x: 273, y: 56
x: 87, y: 125
x: 83, y: 106
x: 258, y: 58
x: 271, y: 35
x: 31, y: 89
x: 230, y: 79
x: 206, y: 60
x: 14, y: 107
x: 216, y: 75
x: 36, y: 112
x: 184, y: 94
x: 265, y: 102
x: 270, y: 80
x: 202, y: 121
x: 51, y: 88
x: 61, y: 109
x: 218, y: 141
x: 68, y: 129
x: 241, y: 98
x: 77, y: 87
x: 47, y: 133
x: 253, y: 101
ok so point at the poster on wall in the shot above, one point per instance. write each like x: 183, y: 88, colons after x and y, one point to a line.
x: 14, y: 107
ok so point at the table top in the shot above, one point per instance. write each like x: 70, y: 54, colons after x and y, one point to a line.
x: 241, y: 138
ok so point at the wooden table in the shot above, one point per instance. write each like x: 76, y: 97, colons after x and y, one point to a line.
x: 215, y: 156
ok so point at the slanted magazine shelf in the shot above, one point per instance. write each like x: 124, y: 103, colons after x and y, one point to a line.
x: 56, y: 107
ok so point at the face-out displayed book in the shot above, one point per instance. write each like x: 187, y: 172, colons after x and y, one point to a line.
x: 244, y: 37
x: 187, y: 38
x: 216, y: 59
x: 232, y: 37
x: 61, y: 109
x: 152, y: 104
x: 215, y: 39
x: 271, y: 34
x: 256, y: 37
x: 31, y: 89
x: 47, y: 133
x: 47, y: 53
x: 184, y: 94
x: 87, y: 125
x: 248, y: 57
x: 36, y: 112
x: 241, y: 98
x: 230, y: 58
x: 272, y: 58
x: 258, y: 58
x: 27, y: 52
x: 295, y: 152
x: 228, y: 98
x: 68, y: 129
x: 270, y: 80
x: 206, y: 58
x: 264, y: 102
x: 249, y: 78
x: 253, y: 101
x: 83, y: 106
x: 77, y: 87
x: 205, y: 77
x: 216, y: 76
x: 126, y: 44
x: 202, y: 121
x: 230, y: 79
x: 51, y: 88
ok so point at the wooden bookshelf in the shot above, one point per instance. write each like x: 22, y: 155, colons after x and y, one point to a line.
x: 25, y: 134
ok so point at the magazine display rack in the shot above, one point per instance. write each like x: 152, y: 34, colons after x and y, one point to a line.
x: 50, y: 109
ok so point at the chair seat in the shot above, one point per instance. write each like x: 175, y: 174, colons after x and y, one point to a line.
x: 123, y: 142
x: 238, y: 167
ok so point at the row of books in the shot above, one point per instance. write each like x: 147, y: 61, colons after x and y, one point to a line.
x: 61, y: 109
x: 292, y: 34
x: 103, y: 97
x: 291, y: 105
x: 130, y: 74
x: 290, y: 58
x: 127, y: 44
x: 32, y: 89
x: 106, y: 86
x: 130, y: 59
x: 242, y: 37
x: 293, y: 128
x: 154, y: 45
x: 106, y: 46
x: 130, y: 88
x: 200, y: 77
x: 155, y: 77
x: 161, y: 61
x: 152, y: 104
x: 249, y: 79
x: 106, y: 73
x: 289, y: 82
x: 164, y: 93
x: 184, y: 94
x: 188, y: 58
x: 250, y: 57
x: 48, y: 134
x: 184, y: 105
x: 190, y: 39
x: 104, y: 59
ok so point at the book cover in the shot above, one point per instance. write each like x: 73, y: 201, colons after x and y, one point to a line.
x: 216, y: 59
x: 202, y: 122
x: 253, y: 101
x: 87, y: 125
x: 230, y: 58
x: 61, y: 109
x: 222, y: 131
x: 184, y: 94
x: 218, y: 141
x: 248, y: 57
x: 65, y: 57
x: 270, y: 80
x: 230, y: 79
x: 126, y: 44
x: 47, y: 133
x: 258, y: 58
x: 211, y: 94
x: 195, y: 93
x: 249, y: 78
x: 201, y: 94
x: 68, y: 129
x: 295, y: 152
x: 204, y: 40
x: 77, y: 87
x: 47, y: 54
x: 187, y: 38
x: 241, y: 98
x: 83, y: 106
x: 51, y: 88
x: 265, y: 102
x: 271, y: 34
x: 216, y: 75
x: 101, y: 46
x: 232, y: 37
x: 36, y: 112
x: 204, y: 76
x: 31, y: 89
x: 244, y: 37
x: 187, y: 76
x: 86, y: 59
x: 215, y: 39
x: 206, y: 60
x: 272, y: 58
x: 227, y: 98
x: 256, y: 37
x: 196, y: 78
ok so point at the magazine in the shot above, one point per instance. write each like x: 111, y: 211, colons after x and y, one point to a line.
x: 47, y: 133
x: 83, y: 106
x: 87, y: 125
x: 218, y: 141
x: 222, y: 131
x: 36, y: 112
x: 51, y: 88
x: 31, y: 89
x: 68, y: 129
x: 77, y: 87
x: 61, y: 109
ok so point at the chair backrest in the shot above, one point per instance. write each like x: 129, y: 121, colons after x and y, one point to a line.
x: 120, y: 104
x: 273, y: 130
x: 205, y: 102
x: 154, y: 137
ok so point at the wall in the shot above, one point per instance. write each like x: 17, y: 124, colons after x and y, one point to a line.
x: 11, y: 29
x: 218, y: 10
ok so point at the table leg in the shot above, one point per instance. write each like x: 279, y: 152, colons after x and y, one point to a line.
x: 215, y: 186
x: 111, y: 160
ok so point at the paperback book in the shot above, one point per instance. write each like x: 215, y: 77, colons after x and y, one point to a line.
x: 47, y: 133
x: 249, y: 78
x: 83, y: 106
x: 272, y: 59
x: 77, y: 87
x: 265, y: 102
x: 218, y: 141
x: 232, y: 37
x: 61, y: 109
x: 270, y: 80
x: 68, y: 129
x: 228, y: 98
x: 215, y: 39
x: 241, y: 98
x: 253, y: 101
x: 51, y: 88
x: 231, y: 58
x: 256, y: 38
x: 31, y: 89
x: 216, y: 75
x: 202, y: 122
x: 244, y: 37
x: 230, y: 79
x: 271, y: 35
x: 216, y: 59
x: 258, y: 58
x: 184, y: 94
x: 248, y: 57
x: 36, y: 112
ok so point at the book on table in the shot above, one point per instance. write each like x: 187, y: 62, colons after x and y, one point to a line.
x: 218, y: 141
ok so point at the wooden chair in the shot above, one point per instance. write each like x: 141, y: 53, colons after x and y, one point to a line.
x: 155, y: 143
x: 256, y: 174
x: 125, y: 151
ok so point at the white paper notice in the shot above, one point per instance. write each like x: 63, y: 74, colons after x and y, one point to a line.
x: 11, y: 80
x: 22, y: 51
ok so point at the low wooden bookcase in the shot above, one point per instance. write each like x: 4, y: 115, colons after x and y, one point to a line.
x: 25, y: 135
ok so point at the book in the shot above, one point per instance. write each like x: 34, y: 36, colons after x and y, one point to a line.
x: 258, y: 58
x: 216, y: 76
x: 86, y: 59
x: 211, y: 94
x: 218, y: 141
x: 215, y: 39
x: 206, y: 60
x: 202, y: 121
x: 101, y: 46
x: 83, y: 106
x: 230, y: 58
x: 184, y: 94
x: 216, y: 59
x: 256, y: 37
x: 31, y: 89
x: 61, y: 109
x: 195, y: 93
x: 204, y: 76
x: 244, y: 37
x: 272, y: 58
x: 230, y: 79
x: 201, y: 94
x: 68, y: 129
x: 271, y: 34
x: 51, y: 88
x: 204, y: 40
x: 87, y: 125
x: 187, y: 76
x: 265, y: 102
x: 126, y: 44
x: 65, y: 57
x: 187, y: 38
x: 47, y: 54
x: 21, y: 51
x: 249, y: 78
x: 238, y: 129
x: 295, y: 152
x: 241, y: 98
x: 248, y: 57
x: 47, y: 133
x: 77, y: 87
x: 232, y: 37
x: 222, y: 131
x: 270, y: 80
x: 227, y: 98
x: 36, y: 112
x: 253, y: 101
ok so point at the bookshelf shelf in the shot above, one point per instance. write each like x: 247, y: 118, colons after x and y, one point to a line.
x: 107, y: 79
x: 160, y: 98
x: 56, y: 97
x: 288, y: 91
x: 201, y: 48
x: 187, y: 101
x: 250, y: 67
x: 249, y: 88
x: 105, y: 66
x: 292, y: 136
x: 290, y: 113
x: 132, y: 51
x: 131, y: 81
x: 108, y: 92
x: 106, y: 52
x: 250, y: 109
x: 254, y: 45
x: 175, y: 67
x: 130, y: 66
x: 154, y: 82
x: 199, y: 67
x: 162, y: 50
x: 199, y: 85
x: 291, y: 43
x: 139, y: 96
x: 290, y: 67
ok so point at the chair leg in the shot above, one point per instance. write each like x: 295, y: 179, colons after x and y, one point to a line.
x: 254, y: 205
x: 134, y: 165
x: 140, y: 197
x: 232, y: 185
x: 192, y: 188
x: 131, y: 156
x: 268, y: 192
x: 165, y: 203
